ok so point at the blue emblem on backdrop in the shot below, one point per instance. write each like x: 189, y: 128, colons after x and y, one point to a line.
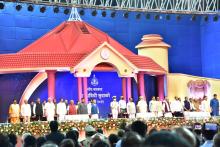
x: 94, y: 81
x: 102, y: 89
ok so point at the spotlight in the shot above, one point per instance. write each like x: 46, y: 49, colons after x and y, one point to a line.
x: 81, y: 12
x: 18, y: 7
x: 147, y: 16
x: 2, y: 5
x: 94, y: 13
x: 56, y: 9
x: 30, y: 8
x: 104, y: 13
x: 178, y: 17
x: 66, y: 11
x: 138, y: 16
x: 126, y: 14
x: 113, y: 14
x: 215, y: 18
x: 193, y: 17
x: 156, y: 17
x: 42, y: 9
x: 206, y: 18
x: 167, y: 17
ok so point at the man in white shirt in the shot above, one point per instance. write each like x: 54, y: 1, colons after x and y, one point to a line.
x: 159, y: 107
x: 114, y: 108
x: 89, y: 106
x: 205, y: 105
x: 166, y: 107
x: 142, y: 105
x: 131, y: 109
x: 26, y: 112
x: 153, y: 105
x: 177, y: 107
x: 61, y: 110
x: 50, y: 110
x: 122, y: 106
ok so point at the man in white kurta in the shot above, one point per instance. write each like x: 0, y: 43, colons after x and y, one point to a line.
x: 61, y: 110
x: 205, y: 105
x: 89, y: 106
x: 159, y: 107
x: 176, y: 107
x: 26, y: 112
x: 122, y: 106
x: 50, y: 110
x: 114, y: 108
x: 142, y: 105
x: 153, y: 106
x: 131, y: 109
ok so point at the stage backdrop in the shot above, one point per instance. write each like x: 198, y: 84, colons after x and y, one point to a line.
x: 101, y: 86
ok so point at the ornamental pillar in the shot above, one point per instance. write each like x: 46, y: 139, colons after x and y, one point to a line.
x: 51, y: 83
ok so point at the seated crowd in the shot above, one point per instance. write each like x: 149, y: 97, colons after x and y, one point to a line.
x: 135, y: 134
x: 121, y: 108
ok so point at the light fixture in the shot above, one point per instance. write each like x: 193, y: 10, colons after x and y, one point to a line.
x: 42, y: 9
x: 215, y: 18
x: 66, y: 11
x: 94, y: 13
x: 148, y: 16
x: 167, y: 17
x: 126, y: 14
x: 206, y: 18
x: 104, y: 13
x: 113, y: 14
x: 138, y: 16
x: 18, y: 7
x: 178, y: 17
x: 30, y: 8
x: 2, y: 5
x: 193, y: 18
x: 82, y: 12
x: 56, y: 9
x: 157, y: 17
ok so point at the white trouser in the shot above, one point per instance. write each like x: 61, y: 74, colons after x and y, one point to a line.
x: 132, y: 115
x: 50, y: 117
x: 94, y: 116
x: 114, y: 114
x: 61, y: 117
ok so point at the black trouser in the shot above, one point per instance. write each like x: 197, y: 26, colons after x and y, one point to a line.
x: 177, y: 114
x: 39, y: 117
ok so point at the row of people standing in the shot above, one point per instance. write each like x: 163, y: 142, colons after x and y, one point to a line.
x: 163, y: 107
x: 49, y: 110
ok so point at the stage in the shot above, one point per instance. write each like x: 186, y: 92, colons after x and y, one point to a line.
x: 40, y: 128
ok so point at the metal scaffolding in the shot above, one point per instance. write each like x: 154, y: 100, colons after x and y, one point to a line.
x: 162, y: 6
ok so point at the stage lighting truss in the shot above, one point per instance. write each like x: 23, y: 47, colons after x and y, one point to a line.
x: 162, y: 6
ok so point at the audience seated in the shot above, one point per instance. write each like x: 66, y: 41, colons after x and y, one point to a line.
x: 30, y: 141
x: 41, y: 140
x: 132, y: 135
x: 187, y: 135
x: 165, y: 139
x: 67, y: 143
x: 216, y: 140
x: 55, y: 136
x: 12, y: 139
x: 113, y: 139
x: 131, y: 139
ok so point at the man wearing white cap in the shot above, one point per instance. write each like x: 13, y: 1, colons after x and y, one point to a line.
x: 26, y: 112
x: 61, y: 110
x: 50, y: 110
x: 114, y: 108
